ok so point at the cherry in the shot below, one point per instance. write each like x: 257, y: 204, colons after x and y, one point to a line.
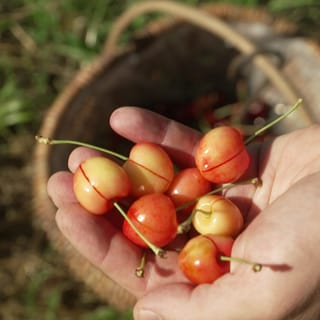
x: 99, y: 181
x: 186, y: 186
x: 151, y: 221
x: 154, y: 216
x: 221, y: 155
x: 205, y: 258
x: 150, y: 169
x: 149, y: 166
x: 199, y: 259
x: 215, y: 214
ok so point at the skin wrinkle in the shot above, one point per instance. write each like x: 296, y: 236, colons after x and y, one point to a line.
x: 276, y: 175
x: 63, y: 193
x: 252, y: 209
x: 67, y: 227
x: 197, y: 298
x: 307, y: 309
x: 265, y: 153
x: 292, y: 164
x: 164, y: 133
x: 300, y: 173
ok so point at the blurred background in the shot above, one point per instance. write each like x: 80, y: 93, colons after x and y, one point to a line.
x: 43, y: 44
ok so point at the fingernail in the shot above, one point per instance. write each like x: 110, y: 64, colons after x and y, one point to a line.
x: 147, y: 315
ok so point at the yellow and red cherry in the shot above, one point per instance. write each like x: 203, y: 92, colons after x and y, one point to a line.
x: 221, y: 155
x: 199, y: 259
x: 215, y: 214
x: 98, y: 182
x: 186, y: 186
x: 154, y: 216
x: 149, y: 168
x: 205, y: 258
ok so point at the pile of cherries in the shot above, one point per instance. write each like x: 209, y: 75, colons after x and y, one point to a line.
x: 165, y: 202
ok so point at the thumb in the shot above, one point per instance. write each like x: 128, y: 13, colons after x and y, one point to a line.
x: 230, y: 297
x: 168, y: 302
x: 183, y: 301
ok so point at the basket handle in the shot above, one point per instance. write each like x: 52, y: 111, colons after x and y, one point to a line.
x: 213, y: 25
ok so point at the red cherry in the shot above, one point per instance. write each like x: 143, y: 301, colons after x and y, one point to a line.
x: 187, y: 185
x: 221, y: 155
x: 154, y: 215
x: 200, y: 261
x: 97, y: 182
x: 150, y: 169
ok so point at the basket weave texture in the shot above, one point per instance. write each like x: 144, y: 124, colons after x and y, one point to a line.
x: 170, y: 63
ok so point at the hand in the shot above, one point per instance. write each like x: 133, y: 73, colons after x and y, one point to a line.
x: 282, y: 217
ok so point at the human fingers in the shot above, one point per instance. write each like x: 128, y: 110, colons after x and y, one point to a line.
x: 97, y: 239
x: 288, y: 284
x: 79, y: 155
x: 93, y: 236
x: 60, y: 184
x: 138, y: 124
x: 60, y: 188
x: 100, y: 240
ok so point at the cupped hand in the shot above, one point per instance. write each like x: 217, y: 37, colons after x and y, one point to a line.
x: 282, y: 231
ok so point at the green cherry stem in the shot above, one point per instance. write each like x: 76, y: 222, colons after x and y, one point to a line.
x: 185, y: 225
x: 274, y: 122
x: 157, y: 251
x: 256, y: 267
x: 50, y: 141
x: 255, y: 181
x: 140, y: 268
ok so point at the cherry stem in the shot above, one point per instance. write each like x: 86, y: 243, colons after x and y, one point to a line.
x: 46, y: 140
x: 157, y: 251
x: 255, y: 181
x: 272, y: 123
x: 186, y: 224
x: 256, y: 267
x: 140, y: 268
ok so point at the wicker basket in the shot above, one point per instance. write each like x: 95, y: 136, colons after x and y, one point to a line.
x: 171, y: 62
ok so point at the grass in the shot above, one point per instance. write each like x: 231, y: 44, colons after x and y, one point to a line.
x: 42, y: 44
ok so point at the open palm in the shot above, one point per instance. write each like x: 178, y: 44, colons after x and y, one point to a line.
x: 282, y: 231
